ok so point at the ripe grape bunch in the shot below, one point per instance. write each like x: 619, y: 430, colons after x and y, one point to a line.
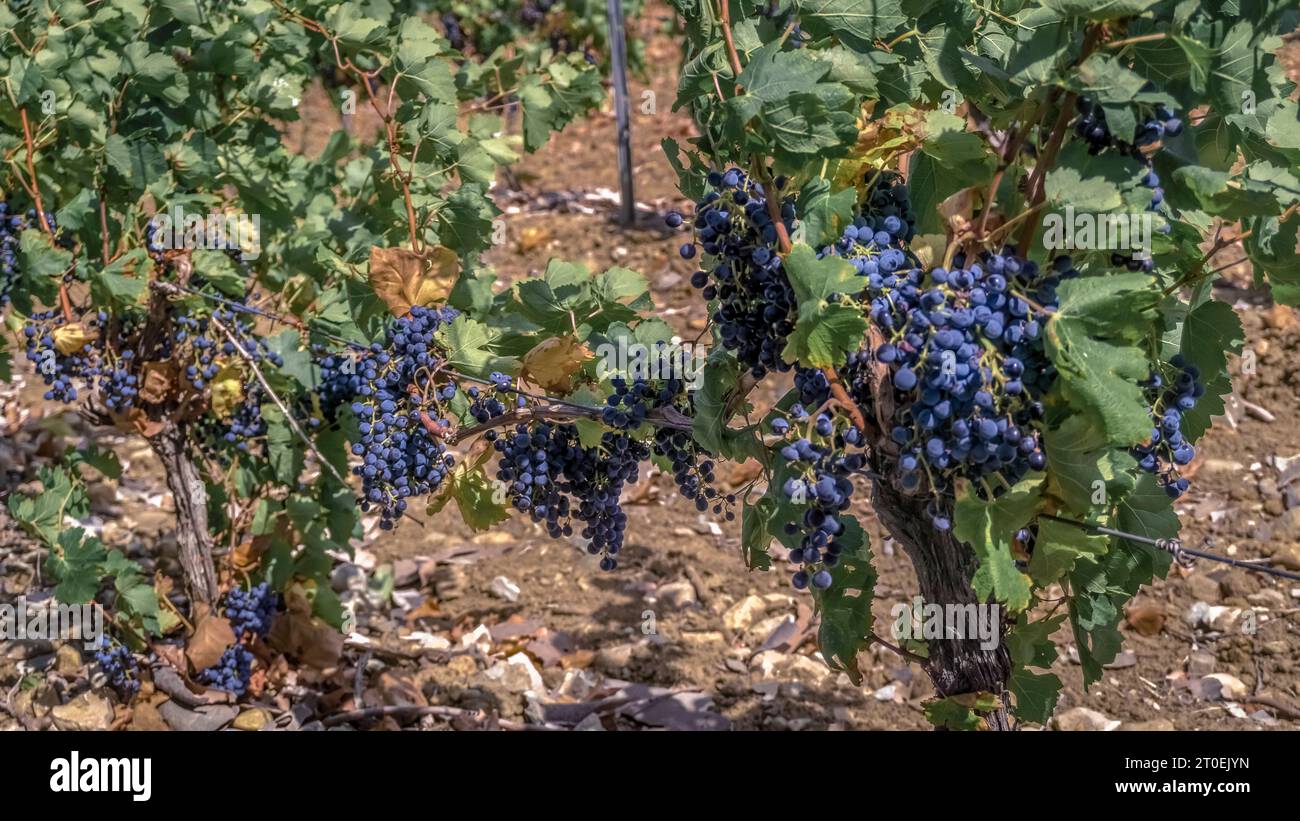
x: 401, y: 414
x: 755, y: 305
x: 1167, y: 450
x: 118, y: 666
x: 967, y: 366
x: 231, y: 672
x: 251, y: 611
x: 206, y: 346
x: 1092, y: 127
x: 338, y: 383
x: 692, y: 467
x: 816, y: 450
x: 869, y: 244
x: 64, y: 353
x: 551, y: 475
x: 887, y: 196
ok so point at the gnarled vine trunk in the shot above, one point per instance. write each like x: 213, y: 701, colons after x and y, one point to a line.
x: 944, y: 567
x: 191, y: 495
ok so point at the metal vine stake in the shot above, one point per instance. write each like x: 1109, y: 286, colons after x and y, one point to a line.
x: 622, y: 110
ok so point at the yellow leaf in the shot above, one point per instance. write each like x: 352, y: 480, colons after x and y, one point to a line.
x: 72, y: 337
x: 552, y: 363
x: 402, y: 279
x: 227, y: 389
x: 532, y: 237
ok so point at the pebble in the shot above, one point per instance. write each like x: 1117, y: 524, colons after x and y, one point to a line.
x: 1231, y: 688
x: 1200, y: 663
x: 1082, y: 718
x: 742, y: 614
x: 88, y: 711
x: 347, y: 577
x: 676, y: 595
x: 503, y: 588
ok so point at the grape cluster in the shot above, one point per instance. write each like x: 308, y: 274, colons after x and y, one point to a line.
x: 59, y: 371
x: 250, y: 611
x: 1167, y: 450
x: 755, y: 305
x: 822, y: 480
x: 231, y: 672
x: 692, y: 467
x: 119, y: 666
x: 967, y: 367
x: 551, y: 475
x: 869, y: 244
x: 11, y: 227
x: 485, y: 406
x: 246, y: 424
x: 1092, y: 127
x: 339, y: 381
x: 118, y: 386
x: 400, y: 413
x: 210, y: 346
x: 455, y: 34
x: 887, y: 196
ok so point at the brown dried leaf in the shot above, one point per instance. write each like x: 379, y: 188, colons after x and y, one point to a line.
x: 212, y: 635
x: 157, y: 381
x: 248, y: 554
x: 308, y: 639
x: 743, y: 473
x: 139, y: 420
x: 1146, y: 618
x: 552, y: 363
x: 958, y: 208
x: 402, y: 279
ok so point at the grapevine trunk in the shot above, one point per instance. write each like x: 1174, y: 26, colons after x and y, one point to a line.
x: 190, y: 493
x: 944, y: 567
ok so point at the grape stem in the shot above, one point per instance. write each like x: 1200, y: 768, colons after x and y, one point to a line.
x: 35, y: 190
x: 724, y: 13
x: 841, y: 398
x: 288, y: 417
x: 907, y: 654
x: 1036, y: 188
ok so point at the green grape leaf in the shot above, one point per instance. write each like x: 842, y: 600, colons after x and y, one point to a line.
x: 42, y: 514
x: 1272, y: 250
x: 1206, y: 336
x: 1218, y: 193
x: 283, y: 448
x: 479, y: 504
x: 1057, y: 547
x: 989, y: 527
x: 848, y: 20
x: 845, y: 606
x: 1084, y: 470
x: 1035, y: 695
x: 75, y: 562
x: 961, y: 712
x: 823, y: 215
x: 1092, y: 10
x: 1092, y: 340
x: 756, y: 523
x: 825, y: 331
x: 469, y: 348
